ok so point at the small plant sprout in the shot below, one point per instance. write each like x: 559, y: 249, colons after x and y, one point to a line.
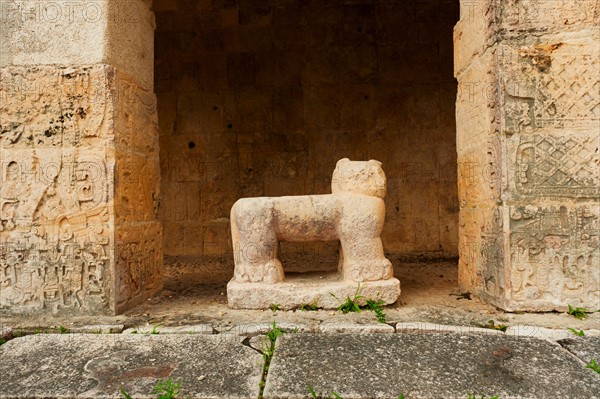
x: 593, y: 365
x: 309, y: 307
x: 352, y: 304
x: 337, y: 395
x: 579, y: 333
x: 63, y: 330
x: 154, y: 330
x: 472, y: 396
x: 314, y: 395
x: 377, y: 308
x: 267, y: 352
x: 493, y: 326
x: 274, y: 307
x: 576, y: 312
x: 166, y: 389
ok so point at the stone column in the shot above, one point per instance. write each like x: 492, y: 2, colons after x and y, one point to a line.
x: 528, y: 139
x: 79, y: 194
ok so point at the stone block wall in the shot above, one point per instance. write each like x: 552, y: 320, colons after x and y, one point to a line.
x: 261, y: 98
x: 79, y: 190
x: 528, y: 120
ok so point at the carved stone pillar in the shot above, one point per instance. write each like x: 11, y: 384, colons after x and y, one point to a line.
x: 528, y: 120
x: 79, y: 194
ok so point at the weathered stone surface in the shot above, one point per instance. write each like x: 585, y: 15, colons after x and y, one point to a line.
x: 192, y: 329
x: 255, y: 329
x: 354, y: 328
x: 538, y: 332
x: 57, y: 184
x: 527, y: 141
x: 5, y: 332
x: 308, y: 289
x: 65, y: 203
x: 61, y: 33
x: 426, y: 366
x: 585, y: 348
x: 429, y: 328
x: 82, y: 365
x: 98, y: 329
x: 353, y: 214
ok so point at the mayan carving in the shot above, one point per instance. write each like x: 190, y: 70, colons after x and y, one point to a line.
x: 554, y: 254
x: 353, y: 214
x: 558, y: 165
x: 55, y: 235
x: 61, y: 206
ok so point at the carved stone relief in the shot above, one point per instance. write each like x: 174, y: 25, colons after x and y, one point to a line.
x: 554, y: 254
x: 558, y: 165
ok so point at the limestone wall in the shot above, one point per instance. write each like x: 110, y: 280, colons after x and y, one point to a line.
x: 528, y: 117
x: 79, y: 229
x: 261, y: 98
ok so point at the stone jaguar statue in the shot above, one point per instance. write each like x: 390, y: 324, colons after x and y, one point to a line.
x: 353, y: 214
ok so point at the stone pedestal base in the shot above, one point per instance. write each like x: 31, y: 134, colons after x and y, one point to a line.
x: 308, y: 289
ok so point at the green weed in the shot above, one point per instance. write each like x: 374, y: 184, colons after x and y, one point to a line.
x: 274, y: 307
x: 578, y: 313
x: 166, y: 389
x: 309, y: 307
x: 337, y: 395
x: 352, y: 304
x: 593, y: 365
x: 377, y: 308
x: 493, y: 326
x: 154, y: 331
x: 579, y: 333
x: 267, y: 353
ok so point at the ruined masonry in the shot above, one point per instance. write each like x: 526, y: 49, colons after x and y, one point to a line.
x: 82, y: 157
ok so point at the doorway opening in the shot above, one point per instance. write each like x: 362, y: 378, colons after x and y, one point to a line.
x: 262, y: 98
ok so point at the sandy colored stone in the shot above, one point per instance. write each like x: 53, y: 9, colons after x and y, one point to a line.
x: 353, y: 214
x: 5, y: 332
x: 527, y: 151
x: 66, y: 202
x: 97, y: 329
x: 271, y: 107
x: 255, y: 329
x: 308, y: 289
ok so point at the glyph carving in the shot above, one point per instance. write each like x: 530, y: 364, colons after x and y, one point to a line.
x: 554, y: 254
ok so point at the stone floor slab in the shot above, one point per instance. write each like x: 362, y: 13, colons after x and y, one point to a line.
x: 585, y: 348
x: 97, y: 366
x: 426, y: 366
